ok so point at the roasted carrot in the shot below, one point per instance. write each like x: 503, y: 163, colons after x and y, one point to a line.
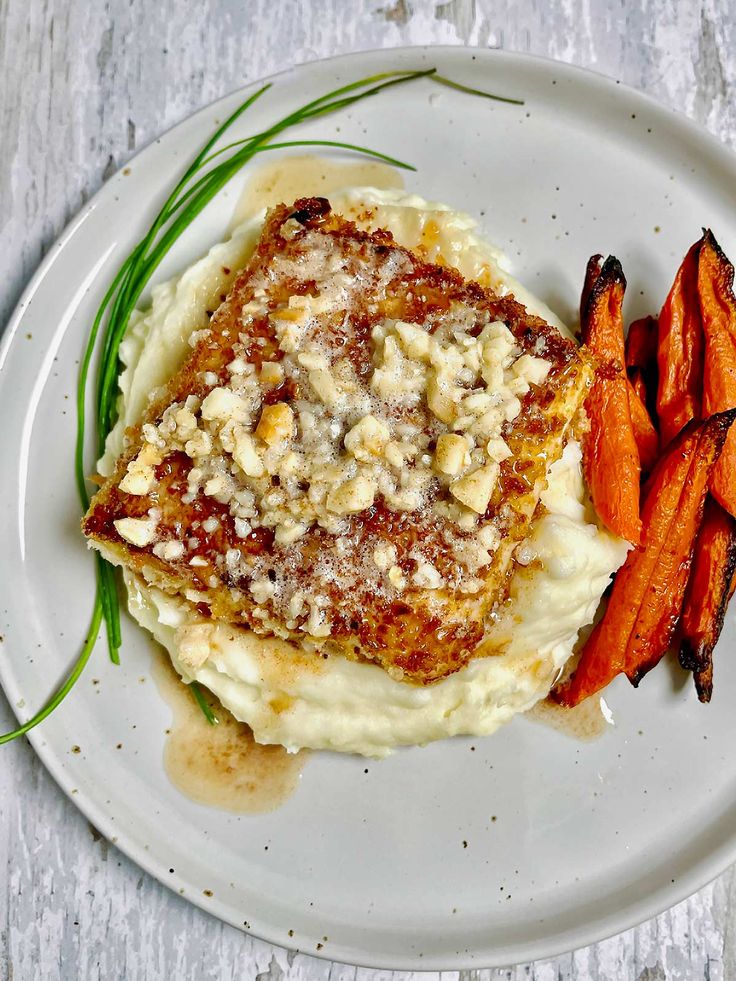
x: 703, y: 677
x: 641, y: 362
x: 680, y: 351
x: 706, y: 598
x: 638, y: 384
x: 641, y: 344
x: 647, y: 594
x: 610, y: 454
x: 718, y: 311
x: 592, y: 272
x: 646, y: 436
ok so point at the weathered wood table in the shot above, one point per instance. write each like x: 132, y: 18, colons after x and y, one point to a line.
x: 83, y: 85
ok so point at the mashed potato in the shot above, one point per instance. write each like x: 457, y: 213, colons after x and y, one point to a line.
x: 300, y: 700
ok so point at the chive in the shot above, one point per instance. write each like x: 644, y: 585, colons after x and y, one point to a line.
x: 58, y: 697
x: 203, y: 704
x: 459, y: 87
x: 332, y: 143
x: 107, y: 587
x: 184, y: 203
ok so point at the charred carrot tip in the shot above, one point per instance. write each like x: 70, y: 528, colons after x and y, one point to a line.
x: 690, y: 658
x: 704, y: 683
x: 592, y: 272
x: 611, y: 273
x: 711, y: 241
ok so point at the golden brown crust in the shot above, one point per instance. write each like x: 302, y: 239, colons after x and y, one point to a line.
x: 420, y: 634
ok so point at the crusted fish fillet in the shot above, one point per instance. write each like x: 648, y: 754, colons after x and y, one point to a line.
x: 351, y: 453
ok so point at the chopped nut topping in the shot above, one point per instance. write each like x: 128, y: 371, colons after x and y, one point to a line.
x: 271, y: 373
x: 352, y: 496
x: 224, y: 405
x: 276, y: 423
x: 246, y: 455
x: 474, y: 489
x: 451, y: 455
x: 199, y: 445
x: 169, y: 551
x: 384, y: 555
x: 137, y: 531
x: 367, y: 439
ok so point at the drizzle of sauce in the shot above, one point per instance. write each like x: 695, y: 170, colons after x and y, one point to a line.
x: 287, y: 178
x: 586, y: 722
x: 221, y: 766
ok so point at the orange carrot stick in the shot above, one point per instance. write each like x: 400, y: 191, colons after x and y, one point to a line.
x: 718, y: 311
x: 647, y: 593
x: 646, y: 436
x: 680, y: 351
x: 610, y: 454
x: 708, y: 591
x: 641, y: 344
x: 637, y: 382
x: 641, y: 362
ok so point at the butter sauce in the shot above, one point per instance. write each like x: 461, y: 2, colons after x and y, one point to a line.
x: 221, y: 766
x: 285, y: 179
x: 585, y: 722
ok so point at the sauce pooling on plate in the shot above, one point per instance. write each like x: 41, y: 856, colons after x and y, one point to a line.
x: 221, y: 766
x: 304, y: 176
x: 585, y: 722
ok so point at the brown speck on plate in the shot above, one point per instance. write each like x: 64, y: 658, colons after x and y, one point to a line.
x: 207, y: 892
x: 76, y: 749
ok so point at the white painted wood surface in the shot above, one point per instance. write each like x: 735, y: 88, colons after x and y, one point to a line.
x: 83, y: 85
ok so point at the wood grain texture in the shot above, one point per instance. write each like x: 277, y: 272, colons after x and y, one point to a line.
x: 84, y: 85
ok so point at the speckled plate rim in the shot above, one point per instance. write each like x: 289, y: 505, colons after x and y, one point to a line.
x: 699, y: 869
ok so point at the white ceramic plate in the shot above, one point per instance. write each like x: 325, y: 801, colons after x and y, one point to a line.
x: 470, y: 852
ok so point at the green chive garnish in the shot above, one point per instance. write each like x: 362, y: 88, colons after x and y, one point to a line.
x: 203, y: 704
